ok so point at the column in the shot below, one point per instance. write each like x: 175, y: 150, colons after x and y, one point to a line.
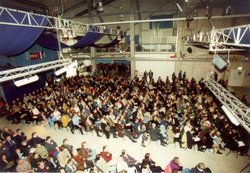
x: 93, y: 60
x: 132, y: 41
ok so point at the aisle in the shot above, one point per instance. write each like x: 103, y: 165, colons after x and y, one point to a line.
x: 161, y: 155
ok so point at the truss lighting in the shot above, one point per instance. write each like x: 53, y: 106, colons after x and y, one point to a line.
x: 26, y: 81
x: 230, y: 115
x: 65, y: 69
x: 60, y: 71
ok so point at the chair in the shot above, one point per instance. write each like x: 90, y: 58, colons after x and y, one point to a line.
x: 186, y: 170
x: 235, y: 147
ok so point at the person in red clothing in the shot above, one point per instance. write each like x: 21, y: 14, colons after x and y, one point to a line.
x: 105, y: 154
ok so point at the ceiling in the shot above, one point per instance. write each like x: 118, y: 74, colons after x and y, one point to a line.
x: 89, y: 8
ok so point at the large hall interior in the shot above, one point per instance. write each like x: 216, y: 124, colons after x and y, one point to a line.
x: 125, y: 86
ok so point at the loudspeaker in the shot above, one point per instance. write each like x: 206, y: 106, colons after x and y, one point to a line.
x: 189, y: 49
x: 219, y: 63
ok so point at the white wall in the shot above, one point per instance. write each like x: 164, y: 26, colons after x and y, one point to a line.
x: 159, y: 68
x: 236, y: 77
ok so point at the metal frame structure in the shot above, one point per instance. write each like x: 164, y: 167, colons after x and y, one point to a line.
x: 168, y: 19
x: 53, y: 23
x: 32, y: 69
x: 29, y: 20
x: 239, y: 110
x: 227, y: 37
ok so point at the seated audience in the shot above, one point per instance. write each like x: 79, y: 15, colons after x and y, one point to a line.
x: 105, y: 154
x: 174, y: 165
x: 147, y: 162
x: 67, y: 146
x: 200, y: 168
x: 34, y: 140
x: 131, y: 162
x: 23, y: 166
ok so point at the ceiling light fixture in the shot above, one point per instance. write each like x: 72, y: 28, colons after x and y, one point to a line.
x: 179, y: 7
x: 64, y: 69
x: 100, y: 8
x: 26, y: 80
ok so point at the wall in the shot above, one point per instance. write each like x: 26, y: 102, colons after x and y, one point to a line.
x: 159, y: 68
x: 24, y: 60
x: 198, y: 63
x: 10, y: 90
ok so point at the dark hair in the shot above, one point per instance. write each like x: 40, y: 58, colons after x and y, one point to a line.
x: 32, y: 134
x: 47, y: 138
x: 147, y: 155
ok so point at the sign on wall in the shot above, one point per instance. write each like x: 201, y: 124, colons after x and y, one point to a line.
x: 236, y: 77
x: 37, y: 55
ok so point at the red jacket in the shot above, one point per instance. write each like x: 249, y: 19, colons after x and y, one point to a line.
x: 106, y: 156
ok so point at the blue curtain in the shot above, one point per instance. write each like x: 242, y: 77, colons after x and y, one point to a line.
x: 111, y: 44
x: 49, y: 41
x: 16, y: 39
x: 88, y: 39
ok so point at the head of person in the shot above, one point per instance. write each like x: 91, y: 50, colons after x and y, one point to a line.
x: 8, y: 138
x: 19, y: 131
x: 84, y: 144
x: 48, y: 139
x: 3, y: 156
x: 65, y: 141
x: 176, y: 160
x: 201, y: 166
x: 34, y: 135
x: 123, y: 152
x: 147, y: 156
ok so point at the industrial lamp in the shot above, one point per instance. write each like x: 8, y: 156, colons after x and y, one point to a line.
x: 26, y: 80
x: 66, y: 68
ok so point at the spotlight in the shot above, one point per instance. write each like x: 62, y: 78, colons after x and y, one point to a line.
x: 60, y: 71
x: 26, y: 81
x: 66, y: 68
x: 121, y: 17
x: 100, y: 8
x: 239, y: 68
x: 179, y: 7
x: 228, y: 10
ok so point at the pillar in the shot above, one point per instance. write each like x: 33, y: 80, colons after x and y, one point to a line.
x: 132, y: 41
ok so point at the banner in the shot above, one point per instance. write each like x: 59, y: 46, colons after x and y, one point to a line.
x: 37, y: 55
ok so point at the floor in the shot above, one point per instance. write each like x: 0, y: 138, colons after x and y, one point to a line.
x: 160, y: 154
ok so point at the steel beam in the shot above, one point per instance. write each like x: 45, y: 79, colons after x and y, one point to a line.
x: 32, y: 69
x: 169, y: 19
x: 230, y: 36
x: 50, y: 22
x: 239, y: 110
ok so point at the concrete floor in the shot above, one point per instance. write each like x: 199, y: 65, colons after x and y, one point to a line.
x: 161, y: 155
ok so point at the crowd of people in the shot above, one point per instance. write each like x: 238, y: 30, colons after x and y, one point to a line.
x: 112, y: 69
x: 37, y: 154
x: 182, y: 111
